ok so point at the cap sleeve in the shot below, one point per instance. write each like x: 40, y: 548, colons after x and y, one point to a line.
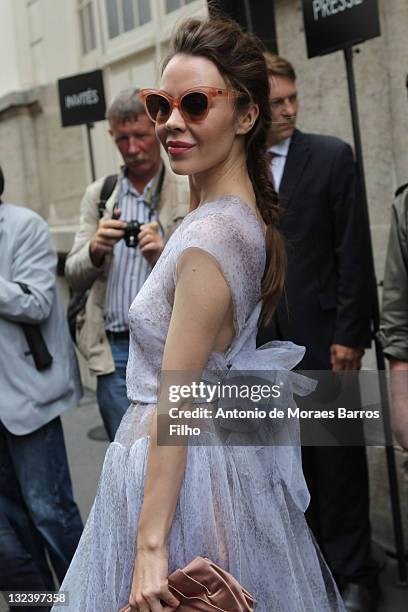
x: 238, y: 250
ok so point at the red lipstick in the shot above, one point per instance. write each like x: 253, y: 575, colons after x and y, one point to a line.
x: 178, y: 147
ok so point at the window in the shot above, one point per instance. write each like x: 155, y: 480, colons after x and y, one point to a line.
x: 128, y: 15
x: 86, y: 25
x: 125, y: 15
x: 36, y: 39
x: 172, y: 5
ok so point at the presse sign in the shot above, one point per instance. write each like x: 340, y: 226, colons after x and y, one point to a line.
x: 334, y: 24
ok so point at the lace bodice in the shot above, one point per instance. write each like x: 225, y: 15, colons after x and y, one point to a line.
x: 229, y: 231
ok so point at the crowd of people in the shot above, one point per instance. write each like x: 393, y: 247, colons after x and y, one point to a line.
x: 253, y: 230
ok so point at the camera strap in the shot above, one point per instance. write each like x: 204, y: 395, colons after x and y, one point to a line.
x: 155, y: 199
x: 34, y: 338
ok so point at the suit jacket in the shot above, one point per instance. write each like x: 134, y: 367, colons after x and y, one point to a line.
x: 81, y: 273
x: 329, y: 277
x: 28, y: 398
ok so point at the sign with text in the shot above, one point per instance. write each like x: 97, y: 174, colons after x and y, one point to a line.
x: 82, y: 98
x: 335, y: 24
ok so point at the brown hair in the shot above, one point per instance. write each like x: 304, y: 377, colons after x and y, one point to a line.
x: 279, y: 66
x: 240, y: 61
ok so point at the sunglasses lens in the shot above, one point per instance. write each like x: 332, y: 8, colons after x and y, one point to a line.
x: 158, y: 107
x: 195, y: 105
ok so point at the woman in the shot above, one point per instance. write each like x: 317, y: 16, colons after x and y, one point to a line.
x: 158, y: 507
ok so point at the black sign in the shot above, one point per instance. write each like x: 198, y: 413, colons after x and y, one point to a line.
x: 334, y: 24
x: 257, y: 16
x: 82, y: 98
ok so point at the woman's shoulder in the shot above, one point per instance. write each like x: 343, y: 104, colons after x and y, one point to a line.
x: 229, y: 230
x: 228, y: 216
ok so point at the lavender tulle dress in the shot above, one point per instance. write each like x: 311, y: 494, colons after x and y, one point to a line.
x: 241, y: 506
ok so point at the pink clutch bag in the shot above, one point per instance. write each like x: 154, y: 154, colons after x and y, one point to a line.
x: 203, y: 586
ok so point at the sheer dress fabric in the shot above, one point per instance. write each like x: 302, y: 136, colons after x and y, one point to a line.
x: 241, y: 506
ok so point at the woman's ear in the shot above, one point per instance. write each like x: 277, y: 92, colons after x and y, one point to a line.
x: 246, y: 120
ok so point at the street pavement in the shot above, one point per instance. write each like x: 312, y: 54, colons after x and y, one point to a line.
x: 86, y: 458
x: 84, y: 454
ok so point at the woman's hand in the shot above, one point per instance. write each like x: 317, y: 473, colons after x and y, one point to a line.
x: 150, y: 592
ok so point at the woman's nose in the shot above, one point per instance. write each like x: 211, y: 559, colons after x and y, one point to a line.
x: 175, y: 120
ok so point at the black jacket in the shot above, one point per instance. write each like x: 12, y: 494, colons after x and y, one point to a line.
x: 329, y: 278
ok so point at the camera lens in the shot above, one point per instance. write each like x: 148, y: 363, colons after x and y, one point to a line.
x: 131, y: 233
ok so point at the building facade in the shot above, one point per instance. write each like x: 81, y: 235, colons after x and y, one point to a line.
x: 47, y: 167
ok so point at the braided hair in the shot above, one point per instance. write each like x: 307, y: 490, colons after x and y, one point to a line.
x: 239, y: 59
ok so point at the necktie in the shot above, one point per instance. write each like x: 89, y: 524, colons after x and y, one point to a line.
x: 270, y: 155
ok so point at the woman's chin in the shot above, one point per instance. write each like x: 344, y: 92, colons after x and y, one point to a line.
x: 180, y: 167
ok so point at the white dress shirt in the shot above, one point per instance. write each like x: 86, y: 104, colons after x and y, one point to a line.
x: 280, y: 152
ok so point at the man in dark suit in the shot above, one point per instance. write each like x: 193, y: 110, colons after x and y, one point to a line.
x: 326, y: 308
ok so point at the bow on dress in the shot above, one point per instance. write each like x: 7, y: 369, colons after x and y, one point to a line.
x: 277, y: 440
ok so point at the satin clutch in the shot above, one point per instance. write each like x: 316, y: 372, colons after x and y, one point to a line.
x: 203, y: 586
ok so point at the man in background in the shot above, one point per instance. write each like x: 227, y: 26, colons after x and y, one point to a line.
x: 39, y: 380
x: 326, y: 308
x: 394, y: 317
x: 145, y: 192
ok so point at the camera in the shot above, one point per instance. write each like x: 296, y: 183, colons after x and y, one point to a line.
x: 131, y: 232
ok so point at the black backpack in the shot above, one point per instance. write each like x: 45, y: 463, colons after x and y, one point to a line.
x: 78, y: 298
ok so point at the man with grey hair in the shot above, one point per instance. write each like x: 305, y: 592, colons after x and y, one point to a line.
x: 120, y: 238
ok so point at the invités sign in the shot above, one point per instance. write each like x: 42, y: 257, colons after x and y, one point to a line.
x: 334, y: 24
x: 82, y: 98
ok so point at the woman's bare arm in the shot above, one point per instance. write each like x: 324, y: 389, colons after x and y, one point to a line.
x: 202, y: 309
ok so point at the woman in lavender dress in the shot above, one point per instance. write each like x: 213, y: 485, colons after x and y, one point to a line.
x: 158, y: 507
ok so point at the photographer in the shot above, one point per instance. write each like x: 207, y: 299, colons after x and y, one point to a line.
x: 113, y: 257
x: 39, y: 380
